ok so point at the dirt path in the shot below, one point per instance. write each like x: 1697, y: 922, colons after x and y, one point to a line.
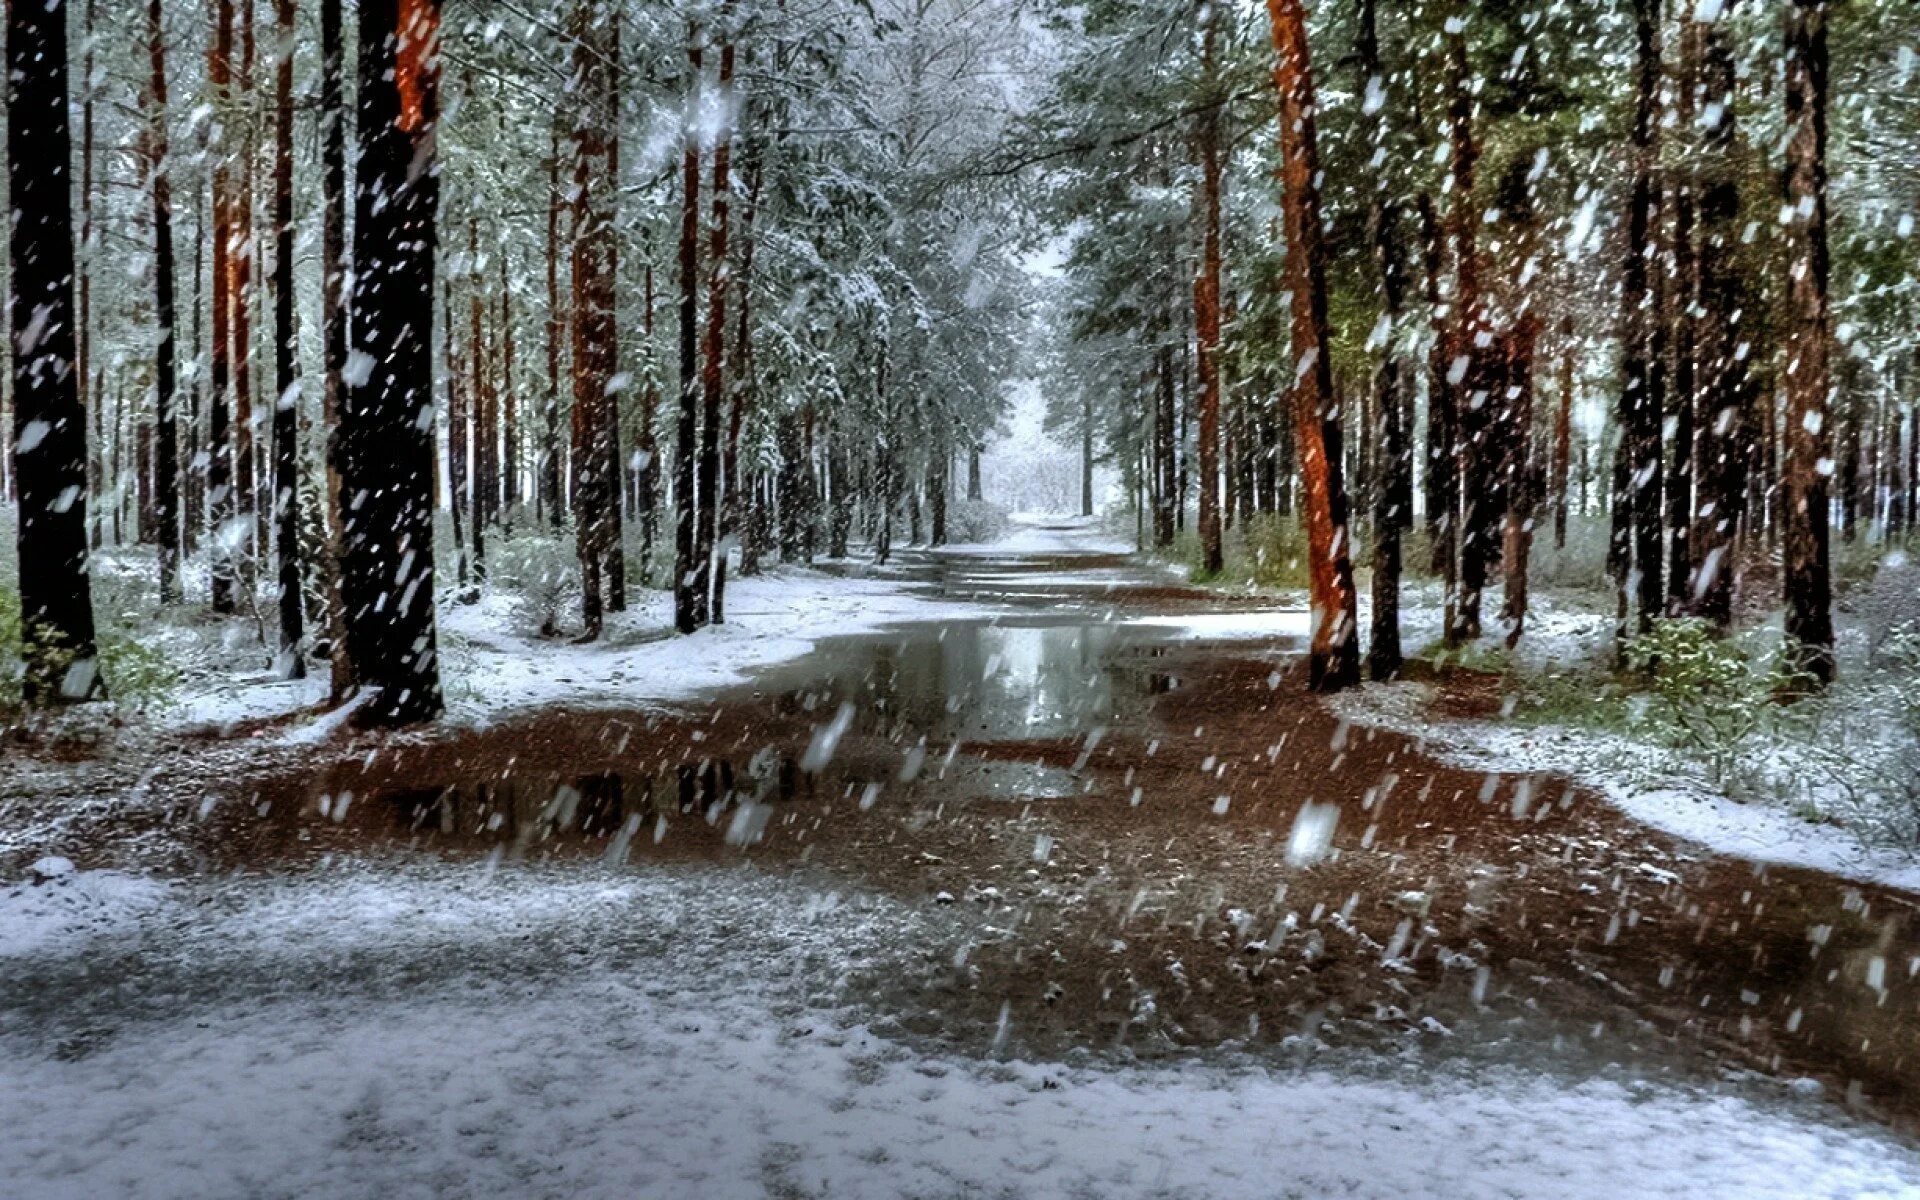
x: 1125, y: 840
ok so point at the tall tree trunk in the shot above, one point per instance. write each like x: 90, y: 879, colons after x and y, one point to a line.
x: 251, y: 515
x: 222, y: 504
x: 198, y: 451
x: 974, y: 491
x: 1393, y: 490
x: 459, y: 436
x: 1471, y: 371
x: 689, y: 579
x: 286, y: 448
x: 1443, y: 474
x: 615, y: 535
x: 1720, y: 460
x: 166, y: 447
x: 744, y: 513
x: 1086, y: 457
x: 1166, y: 494
x: 713, y: 369
x: 596, y: 496
x: 333, y: 315
x: 386, y: 437
x: 1334, y: 660
x: 50, y: 426
x: 647, y: 481
x: 1206, y: 304
x: 480, y: 510
x: 1809, y: 587
x: 552, y: 470
x: 1679, y: 318
x: 1563, y: 435
x: 510, y: 399
x: 1640, y: 405
x: 92, y: 395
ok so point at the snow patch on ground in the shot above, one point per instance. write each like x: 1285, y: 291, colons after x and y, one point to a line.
x: 1232, y: 626
x: 1035, y: 533
x: 492, y: 666
x: 607, y: 1090
x: 70, y: 907
x: 441, y: 1032
x: 1648, y: 783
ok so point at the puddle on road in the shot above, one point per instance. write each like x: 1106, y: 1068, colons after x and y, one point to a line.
x: 920, y: 717
x: 1001, y: 764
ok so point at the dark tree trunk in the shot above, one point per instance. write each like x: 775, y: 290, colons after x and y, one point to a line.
x: 1166, y: 493
x: 744, y: 513
x: 1679, y: 319
x: 221, y: 502
x: 1809, y: 586
x: 711, y: 554
x: 1477, y: 400
x: 1393, y: 490
x: 1334, y: 658
x: 166, y: 447
x: 386, y: 437
x: 615, y: 537
x: 689, y: 577
x: 1563, y: 435
x: 1640, y: 404
x: 1206, y: 308
x: 973, y: 473
x: 596, y: 494
x: 552, y: 471
x: 1086, y: 457
x: 480, y: 510
x: 1443, y: 476
x: 1720, y: 461
x: 647, y: 479
x: 286, y: 447
x: 459, y: 437
x: 333, y: 310
x: 250, y: 520
x: 50, y: 426
x: 92, y: 395
x: 509, y: 403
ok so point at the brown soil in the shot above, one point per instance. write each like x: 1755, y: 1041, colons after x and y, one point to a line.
x: 1456, y: 915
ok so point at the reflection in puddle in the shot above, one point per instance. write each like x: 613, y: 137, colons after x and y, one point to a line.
x: 914, y: 716
x: 978, y: 682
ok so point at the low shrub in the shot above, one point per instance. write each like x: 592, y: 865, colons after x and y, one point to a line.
x: 541, y: 573
x: 976, y: 521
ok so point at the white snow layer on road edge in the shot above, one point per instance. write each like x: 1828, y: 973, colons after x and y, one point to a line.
x: 691, y: 1070
x: 492, y: 667
x: 616, y: 1088
x: 1647, y: 784
x: 42, y: 913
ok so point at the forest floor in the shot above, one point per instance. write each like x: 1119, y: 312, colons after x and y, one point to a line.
x: 1012, y: 870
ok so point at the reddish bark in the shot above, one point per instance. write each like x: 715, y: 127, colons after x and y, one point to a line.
x: 1334, y: 661
x: 1808, y: 582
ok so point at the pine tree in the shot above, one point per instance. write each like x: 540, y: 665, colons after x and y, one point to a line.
x: 1808, y: 461
x: 50, y: 426
x: 386, y: 434
x: 1334, y: 659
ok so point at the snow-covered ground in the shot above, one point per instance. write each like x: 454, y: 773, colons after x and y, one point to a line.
x: 493, y: 667
x: 1653, y: 786
x: 404, y: 1028
x: 442, y: 1032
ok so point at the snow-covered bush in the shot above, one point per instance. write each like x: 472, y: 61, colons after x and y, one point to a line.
x: 1267, y: 550
x: 1580, y: 564
x: 975, y: 521
x: 541, y: 573
x: 1705, y: 690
